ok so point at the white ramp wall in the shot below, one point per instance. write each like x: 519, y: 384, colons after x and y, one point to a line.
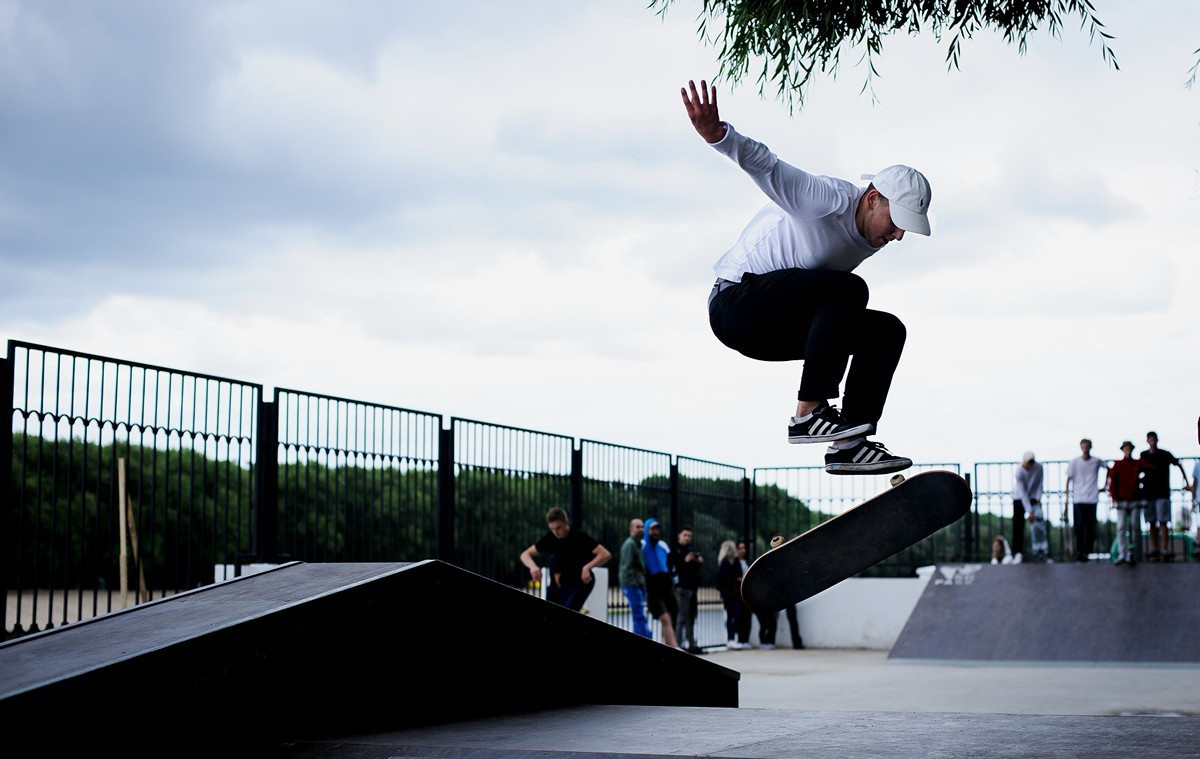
x: 858, y: 613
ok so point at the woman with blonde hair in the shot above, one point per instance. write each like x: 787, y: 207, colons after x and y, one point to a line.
x: 729, y: 583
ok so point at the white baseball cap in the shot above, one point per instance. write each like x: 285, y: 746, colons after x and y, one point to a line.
x: 908, y: 195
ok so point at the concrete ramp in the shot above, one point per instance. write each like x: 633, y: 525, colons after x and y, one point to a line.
x: 1056, y: 613
x: 320, y: 649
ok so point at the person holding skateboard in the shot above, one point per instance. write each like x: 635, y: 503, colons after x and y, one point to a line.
x: 785, y: 291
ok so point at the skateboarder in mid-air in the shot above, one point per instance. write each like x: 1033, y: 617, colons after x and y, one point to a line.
x: 785, y: 290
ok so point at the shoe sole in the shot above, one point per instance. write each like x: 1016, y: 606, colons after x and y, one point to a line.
x: 862, y: 429
x: 876, y: 467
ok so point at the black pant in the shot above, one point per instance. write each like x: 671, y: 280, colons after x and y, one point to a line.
x: 1018, y: 528
x: 745, y: 618
x: 1085, y: 529
x: 821, y: 317
x: 794, y: 626
x: 767, y: 624
x: 573, y: 596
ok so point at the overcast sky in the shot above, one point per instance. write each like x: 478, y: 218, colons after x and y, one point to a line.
x: 500, y: 211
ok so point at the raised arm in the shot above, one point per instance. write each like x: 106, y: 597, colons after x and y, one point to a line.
x: 801, y: 194
x: 702, y: 110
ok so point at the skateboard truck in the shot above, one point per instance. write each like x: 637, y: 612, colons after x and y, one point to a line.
x: 776, y: 541
x: 896, y: 479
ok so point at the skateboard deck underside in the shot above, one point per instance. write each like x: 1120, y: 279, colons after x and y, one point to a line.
x: 856, y: 540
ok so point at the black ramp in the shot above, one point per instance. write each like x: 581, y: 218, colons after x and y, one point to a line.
x: 320, y: 649
x: 1056, y: 613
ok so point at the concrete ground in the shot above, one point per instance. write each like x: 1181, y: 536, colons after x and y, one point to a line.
x: 867, y: 681
x: 837, y: 704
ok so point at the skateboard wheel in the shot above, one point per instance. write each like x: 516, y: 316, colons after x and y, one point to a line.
x: 897, y: 479
x: 776, y: 541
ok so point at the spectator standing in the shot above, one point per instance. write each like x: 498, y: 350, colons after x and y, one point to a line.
x: 745, y: 618
x: 687, y: 569
x: 1027, y: 500
x: 1124, y: 484
x: 633, y: 577
x: 729, y: 584
x: 1195, y: 503
x: 1157, y: 465
x: 660, y: 579
x: 1083, y: 487
x: 575, y: 554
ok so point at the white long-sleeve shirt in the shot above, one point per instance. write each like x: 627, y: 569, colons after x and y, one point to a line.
x: 809, y: 223
x: 1027, y: 488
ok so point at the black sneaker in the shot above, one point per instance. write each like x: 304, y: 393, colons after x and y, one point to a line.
x: 825, y: 426
x: 868, y: 457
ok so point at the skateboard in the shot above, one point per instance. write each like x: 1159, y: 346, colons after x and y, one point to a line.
x: 908, y: 512
x: 1039, y: 540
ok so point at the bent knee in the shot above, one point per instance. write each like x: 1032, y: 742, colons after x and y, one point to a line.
x: 855, y: 292
x: 888, y: 325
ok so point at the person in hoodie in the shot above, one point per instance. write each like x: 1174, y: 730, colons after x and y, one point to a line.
x: 1027, y: 500
x: 660, y: 580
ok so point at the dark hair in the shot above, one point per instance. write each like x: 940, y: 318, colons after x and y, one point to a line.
x: 1151, y: 432
x: 557, y: 514
x: 1085, y: 440
x: 686, y: 528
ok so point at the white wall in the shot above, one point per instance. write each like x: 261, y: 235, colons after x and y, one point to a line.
x: 863, y: 612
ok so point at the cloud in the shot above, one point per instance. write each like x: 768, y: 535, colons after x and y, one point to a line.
x: 503, y: 212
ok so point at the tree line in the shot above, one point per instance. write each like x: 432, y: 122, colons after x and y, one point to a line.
x: 192, y: 511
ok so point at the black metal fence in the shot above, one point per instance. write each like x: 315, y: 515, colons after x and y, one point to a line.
x: 130, y: 482
x: 115, y: 460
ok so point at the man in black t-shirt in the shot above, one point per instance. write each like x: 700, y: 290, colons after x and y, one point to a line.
x: 1156, y: 464
x: 575, y: 554
x: 687, y: 570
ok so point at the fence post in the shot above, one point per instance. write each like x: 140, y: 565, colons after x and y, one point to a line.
x: 8, y: 503
x: 266, y: 482
x: 747, y: 512
x: 971, y: 524
x: 445, y: 494
x: 673, y: 490
x: 577, y: 487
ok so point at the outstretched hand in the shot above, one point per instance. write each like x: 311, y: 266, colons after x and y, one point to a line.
x: 703, y: 111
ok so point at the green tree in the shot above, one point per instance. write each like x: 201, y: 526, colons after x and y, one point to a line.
x: 797, y: 39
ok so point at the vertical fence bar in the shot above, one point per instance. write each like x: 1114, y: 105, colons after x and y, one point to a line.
x: 749, y: 506
x: 445, y: 495
x: 577, y: 514
x: 673, y: 489
x: 968, y: 541
x: 8, y: 500
x: 266, y: 483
